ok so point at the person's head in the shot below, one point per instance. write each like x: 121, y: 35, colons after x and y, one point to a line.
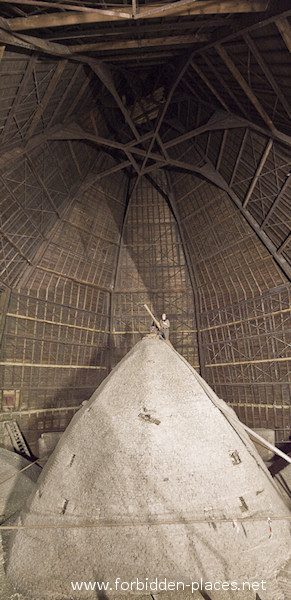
x: 164, y: 316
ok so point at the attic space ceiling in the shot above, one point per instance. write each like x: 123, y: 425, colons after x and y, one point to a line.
x: 144, y: 158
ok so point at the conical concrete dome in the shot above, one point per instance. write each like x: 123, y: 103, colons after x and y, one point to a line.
x: 151, y: 446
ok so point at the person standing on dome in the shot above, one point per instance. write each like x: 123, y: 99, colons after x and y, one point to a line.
x: 165, y: 327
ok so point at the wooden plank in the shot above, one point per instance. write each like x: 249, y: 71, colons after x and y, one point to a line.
x: 47, y: 96
x: 140, y: 43
x: 2, y: 50
x: 209, y: 85
x: 188, y: 7
x: 285, y: 30
x: 48, y: 366
x: 266, y: 70
x: 258, y: 172
x: 248, y: 362
x: 243, y: 84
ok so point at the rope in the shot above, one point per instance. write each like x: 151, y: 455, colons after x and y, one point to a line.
x: 145, y: 523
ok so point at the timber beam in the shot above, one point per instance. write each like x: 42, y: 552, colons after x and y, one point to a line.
x: 182, y: 7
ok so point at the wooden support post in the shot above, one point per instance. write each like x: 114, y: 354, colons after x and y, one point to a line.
x: 258, y: 172
x: 115, y: 279
x: 243, y: 84
x: 173, y: 203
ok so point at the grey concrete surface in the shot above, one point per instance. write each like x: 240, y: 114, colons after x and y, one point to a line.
x: 15, y: 488
x: 150, y: 446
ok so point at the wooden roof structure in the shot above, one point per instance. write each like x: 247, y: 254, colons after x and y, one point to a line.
x: 144, y: 157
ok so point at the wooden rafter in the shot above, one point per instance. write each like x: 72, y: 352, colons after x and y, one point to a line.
x: 212, y: 174
x: 182, y: 7
x: 285, y: 30
x: 105, y: 76
x: 258, y: 172
x: 73, y: 155
x: 238, y: 157
x: 224, y: 84
x: 47, y: 96
x: 140, y: 43
x: 66, y: 94
x: 222, y: 146
x: 243, y: 84
x: 209, y: 85
x: 78, y: 97
x: 266, y: 70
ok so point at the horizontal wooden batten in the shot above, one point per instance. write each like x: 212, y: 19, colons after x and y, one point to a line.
x: 49, y: 366
x: 56, y: 323
x: 249, y: 362
x: 112, y: 46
